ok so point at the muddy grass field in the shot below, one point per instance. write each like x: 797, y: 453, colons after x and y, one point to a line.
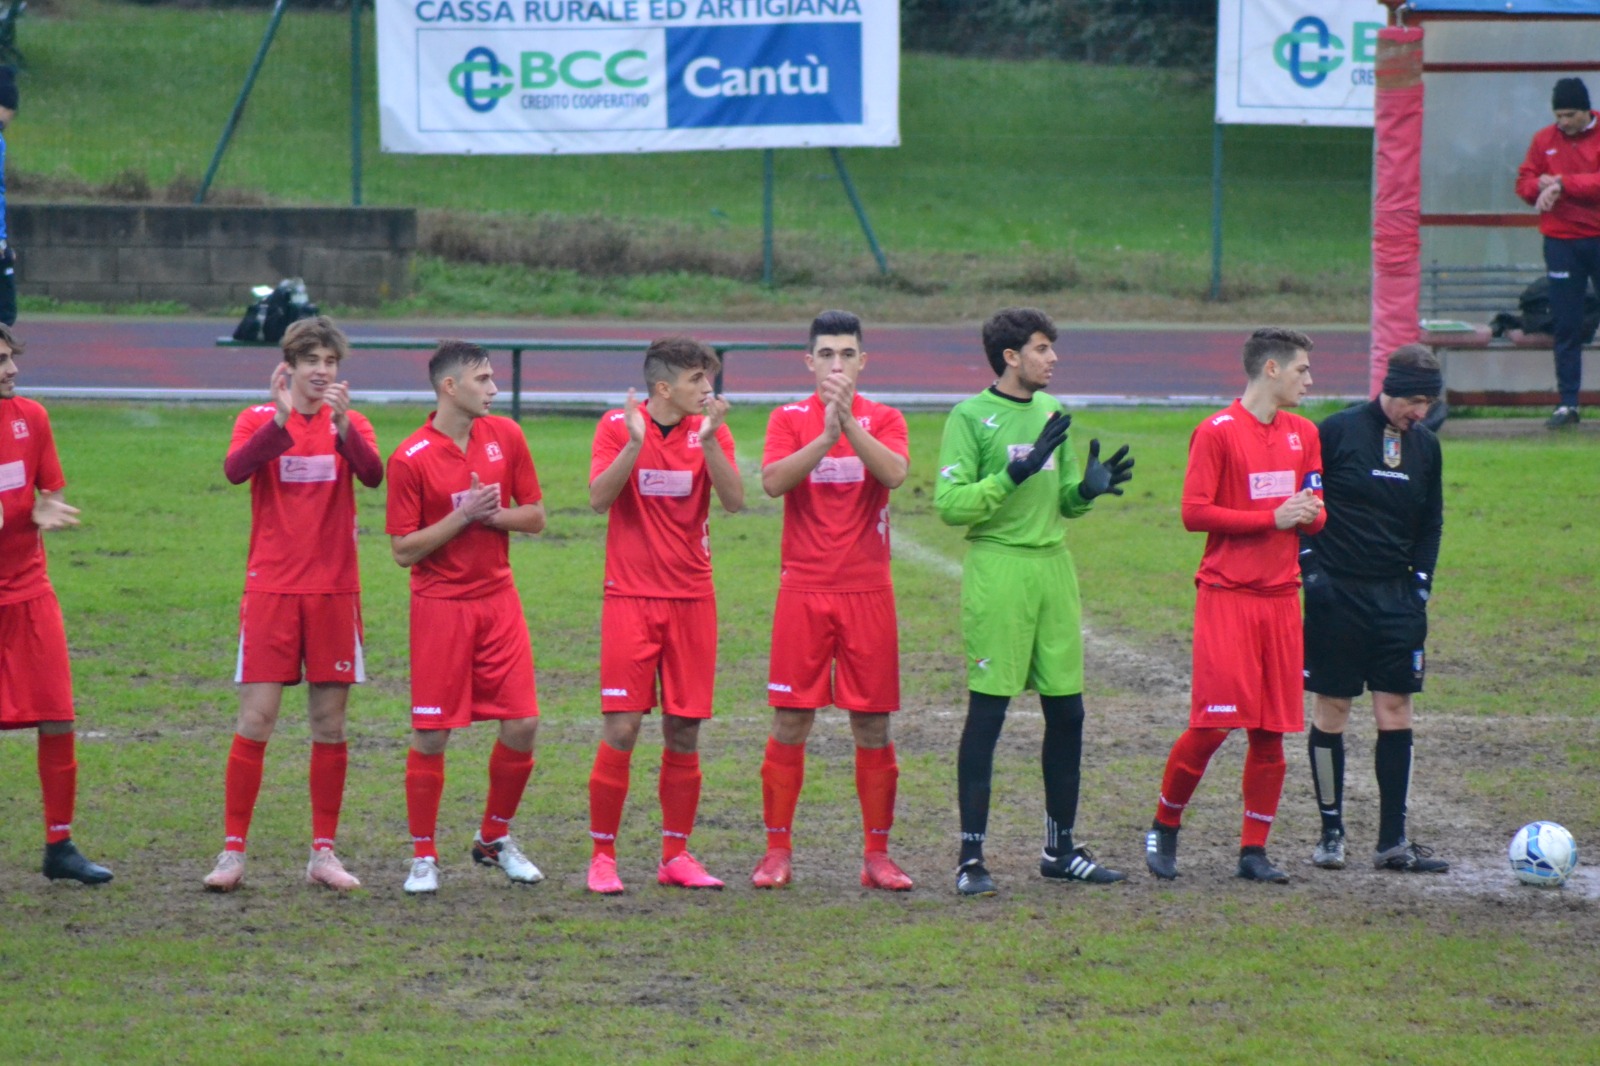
x: 1338, y: 966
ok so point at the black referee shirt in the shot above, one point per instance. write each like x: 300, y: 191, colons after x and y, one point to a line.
x: 1384, y: 517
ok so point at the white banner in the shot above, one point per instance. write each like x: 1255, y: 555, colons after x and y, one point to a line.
x: 1297, y: 62
x: 544, y: 76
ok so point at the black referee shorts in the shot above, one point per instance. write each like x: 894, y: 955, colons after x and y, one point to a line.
x: 1362, y: 631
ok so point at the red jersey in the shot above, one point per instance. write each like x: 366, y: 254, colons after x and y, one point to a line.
x: 658, y: 538
x: 302, y: 499
x: 836, y: 521
x: 428, y: 476
x: 28, y: 461
x: 1240, y: 471
x: 1577, y: 160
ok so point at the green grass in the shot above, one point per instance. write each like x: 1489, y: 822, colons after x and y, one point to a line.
x: 1207, y: 969
x: 1032, y: 177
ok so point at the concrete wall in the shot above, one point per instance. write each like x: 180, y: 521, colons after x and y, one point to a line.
x: 209, y: 257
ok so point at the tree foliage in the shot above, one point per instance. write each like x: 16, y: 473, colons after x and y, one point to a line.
x: 1169, y: 33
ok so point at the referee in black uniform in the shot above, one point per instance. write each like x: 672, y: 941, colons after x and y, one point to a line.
x: 1367, y: 579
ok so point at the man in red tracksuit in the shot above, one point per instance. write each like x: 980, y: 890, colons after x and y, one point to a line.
x: 1561, y: 177
x: 1253, y: 485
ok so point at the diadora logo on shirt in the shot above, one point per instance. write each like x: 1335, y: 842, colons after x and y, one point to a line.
x: 417, y: 447
x: 1267, y: 484
x: 773, y: 686
x: 1221, y: 419
x: 493, y: 452
x: 1294, y: 441
x: 618, y: 692
x: 19, y: 429
x: 1222, y: 708
x: 428, y: 712
x: 1393, y: 475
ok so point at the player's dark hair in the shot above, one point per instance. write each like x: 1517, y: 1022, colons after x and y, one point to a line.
x: 451, y: 358
x: 1011, y: 329
x: 834, y: 324
x: 1414, y: 357
x: 667, y: 357
x: 308, y: 334
x: 1274, y: 343
x: 11, y: 340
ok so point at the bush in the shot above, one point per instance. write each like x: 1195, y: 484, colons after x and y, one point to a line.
x: 1167, y: 33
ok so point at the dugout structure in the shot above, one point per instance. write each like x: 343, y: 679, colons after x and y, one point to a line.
x: 1462, y: 87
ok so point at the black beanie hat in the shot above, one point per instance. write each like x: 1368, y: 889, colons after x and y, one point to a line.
x: 1570, y: 95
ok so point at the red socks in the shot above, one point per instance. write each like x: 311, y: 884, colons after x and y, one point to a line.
x: 680, y: 799
x: 241, y: 785
x: 1185, y: 767
x: 328, y: 764
x: 783, y: 772
x: 424, y: 787
x: 509, y: 770
x: 608, y: 791
x: 877, y: 775
x: 58, y: 781
x: 1263, y: 786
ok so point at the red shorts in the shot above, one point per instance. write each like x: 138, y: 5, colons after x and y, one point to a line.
x: 471, y: 661
x: 839, y: 648
x: 643, y: 638
x: 1249, y: 662
x: 35, y: 676
x: 278, y: 631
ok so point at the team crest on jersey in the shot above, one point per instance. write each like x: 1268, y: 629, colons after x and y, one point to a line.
x: 1294, y: 441
x: 865, y: 422
x: 493, y: 452
x: 1391, y: 449
x: 19, y: 429
x: 694, y: 438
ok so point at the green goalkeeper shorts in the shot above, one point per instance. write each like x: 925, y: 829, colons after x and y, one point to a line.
x: 1021, y: 621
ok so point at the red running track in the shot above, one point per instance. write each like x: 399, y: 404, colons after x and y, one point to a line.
x: 1152, y: 364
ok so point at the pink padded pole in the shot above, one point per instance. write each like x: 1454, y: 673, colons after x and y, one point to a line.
x: 1396, y: 197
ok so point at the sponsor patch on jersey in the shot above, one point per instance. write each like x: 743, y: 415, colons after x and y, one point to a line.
x: 19, y: 429
x: 666, y: 482
x: 839, y: 470
x: 458, y: 498
x: 1022, y: 451
x: 12, y: 476
x: 1270, y: 484
x: 306, y: 469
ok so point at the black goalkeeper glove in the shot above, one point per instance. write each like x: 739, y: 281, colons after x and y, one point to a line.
x: 1050, y: 438
x: 1100, y: 478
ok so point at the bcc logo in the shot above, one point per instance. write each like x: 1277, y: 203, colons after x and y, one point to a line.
x: 1310, y: 52
x: 481, y: 95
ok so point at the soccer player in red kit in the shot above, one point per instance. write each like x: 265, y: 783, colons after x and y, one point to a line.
x: 1254, y: 484
x: 301, y: 454
x: 458, y: 487
x: 654, y: 467
x: 35, y: 674
x: 834, y: 458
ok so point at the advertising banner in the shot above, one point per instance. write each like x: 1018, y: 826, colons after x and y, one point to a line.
x: 546, y: 76
x: 1297, y: 62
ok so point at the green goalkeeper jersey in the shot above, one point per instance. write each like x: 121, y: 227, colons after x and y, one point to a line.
x: 981, y: 437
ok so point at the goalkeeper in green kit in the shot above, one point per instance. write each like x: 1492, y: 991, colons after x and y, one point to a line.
x: 1009, y: 474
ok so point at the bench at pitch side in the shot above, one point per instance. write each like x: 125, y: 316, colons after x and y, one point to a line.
x: 517, y: 347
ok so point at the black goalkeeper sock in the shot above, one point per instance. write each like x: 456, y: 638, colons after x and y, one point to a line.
x: 1327, y: 776
x: 1060, y: 757
x: 1392, y: 761
x: 975, y: 769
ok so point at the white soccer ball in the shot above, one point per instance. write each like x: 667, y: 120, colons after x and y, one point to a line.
x: 1543, y: 853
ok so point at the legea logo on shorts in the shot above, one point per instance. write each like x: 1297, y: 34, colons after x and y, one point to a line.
x: 1222, y: 708
x: 622, y: 692
x: 794, y: 75
x: 773, y: 686
x: 428, y: 712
